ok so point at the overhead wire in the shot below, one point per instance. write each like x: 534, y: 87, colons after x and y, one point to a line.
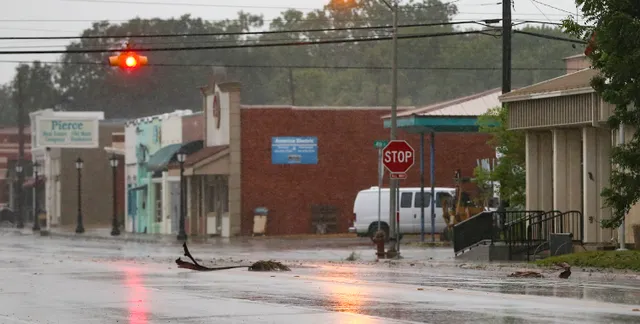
x: 233, y: 46
x: 241, y: 33
x: 271, y: 66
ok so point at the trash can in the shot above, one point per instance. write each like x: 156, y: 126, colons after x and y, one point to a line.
x: 260, y: 220
x: 42, y: 218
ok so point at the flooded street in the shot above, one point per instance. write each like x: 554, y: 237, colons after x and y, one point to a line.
x: 74, y: 281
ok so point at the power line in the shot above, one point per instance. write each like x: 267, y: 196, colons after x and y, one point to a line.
x: 247, y: 33
x: 552, y: 7
x: 183, y: 4
x: 558, y: 38
x: 335, y: 67
x: 282, y: 44
x: 535, y: 5
x: 186, y: 4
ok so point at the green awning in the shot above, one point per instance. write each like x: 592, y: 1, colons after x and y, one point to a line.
x: 140, y: 187
x: 438, y: 124
x: 160, y: 159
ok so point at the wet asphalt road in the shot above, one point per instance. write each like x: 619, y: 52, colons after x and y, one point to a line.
x: 47, y: 280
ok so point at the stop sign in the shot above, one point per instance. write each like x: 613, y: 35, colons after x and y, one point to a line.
x: 398, y: 156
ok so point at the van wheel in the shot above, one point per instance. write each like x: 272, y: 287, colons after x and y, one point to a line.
x: 373, y: 228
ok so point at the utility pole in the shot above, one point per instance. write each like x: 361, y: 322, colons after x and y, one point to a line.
x: 506, y: 46
x: 393, y: 184
x: 21, y: 122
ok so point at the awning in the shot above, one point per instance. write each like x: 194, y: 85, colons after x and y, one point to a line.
x: 141, y: 187
x: 160, y: 159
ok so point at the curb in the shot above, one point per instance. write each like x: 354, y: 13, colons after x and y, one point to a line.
x: 87, y: 237
x: 90, y: 237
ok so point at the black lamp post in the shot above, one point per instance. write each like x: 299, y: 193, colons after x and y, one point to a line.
x: 36, y: 221
x: 182, y: 156
x: 19, y: 169
x: 115, y: 229
x: 79, y: 165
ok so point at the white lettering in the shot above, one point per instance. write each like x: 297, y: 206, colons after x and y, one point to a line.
x: 398, y: 156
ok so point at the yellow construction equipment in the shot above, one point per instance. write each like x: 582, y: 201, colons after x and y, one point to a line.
x: 463, y: 209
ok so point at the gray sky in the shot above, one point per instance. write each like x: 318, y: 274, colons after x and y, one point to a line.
x: 70, y: 17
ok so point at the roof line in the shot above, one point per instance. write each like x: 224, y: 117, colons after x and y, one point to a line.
x: 445, y: 104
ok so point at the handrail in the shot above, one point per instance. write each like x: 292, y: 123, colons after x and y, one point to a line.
x: 473, y: 230
x: 517, y: 234
x: 561, y: 222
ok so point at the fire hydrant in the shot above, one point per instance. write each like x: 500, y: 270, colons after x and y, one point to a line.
x: 378, y: 239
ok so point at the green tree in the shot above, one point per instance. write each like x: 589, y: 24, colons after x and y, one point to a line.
x: 616, y: 25
x: 510, y: 147
x: 38, y: 90
x: 445, y: 66
x: 6, y: 106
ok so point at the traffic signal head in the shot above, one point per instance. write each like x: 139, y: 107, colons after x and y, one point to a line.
x: 343, y: 4
x: 128, y: 60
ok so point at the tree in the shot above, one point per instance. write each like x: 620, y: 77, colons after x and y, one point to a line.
x: 38, y: 90
x: 312, y: 75
x: 510, y: 147
x: 6, y: 106
x: 616, y: 27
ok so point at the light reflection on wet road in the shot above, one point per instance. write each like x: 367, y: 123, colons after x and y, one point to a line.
x: 59, y: 281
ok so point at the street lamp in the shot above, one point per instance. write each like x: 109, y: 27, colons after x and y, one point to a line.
x: 36, y: 221
x: 79, y: 165
x: 19, y: 169
x: 182, y: 156
x: 113, y: 161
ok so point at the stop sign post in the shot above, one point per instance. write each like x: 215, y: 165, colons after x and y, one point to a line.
x: 398, y: 157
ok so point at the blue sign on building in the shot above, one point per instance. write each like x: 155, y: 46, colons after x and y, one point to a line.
x: 294, y: 150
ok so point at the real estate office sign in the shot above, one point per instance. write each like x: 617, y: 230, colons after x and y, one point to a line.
x: 67, y: 132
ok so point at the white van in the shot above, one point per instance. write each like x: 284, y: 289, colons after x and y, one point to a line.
x: 365, y: 210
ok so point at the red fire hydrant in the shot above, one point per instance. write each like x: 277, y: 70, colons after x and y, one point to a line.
x: 378, y: 239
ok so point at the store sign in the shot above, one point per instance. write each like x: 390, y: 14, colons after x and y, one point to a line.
x: 67, y: 132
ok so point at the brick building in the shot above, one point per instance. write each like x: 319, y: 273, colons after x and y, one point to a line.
x: 8, y: 155
x: 234, y: 174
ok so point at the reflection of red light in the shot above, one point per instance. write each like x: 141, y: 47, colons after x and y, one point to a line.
x: 137, y: 297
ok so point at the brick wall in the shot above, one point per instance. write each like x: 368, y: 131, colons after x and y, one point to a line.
x: 347, y: 163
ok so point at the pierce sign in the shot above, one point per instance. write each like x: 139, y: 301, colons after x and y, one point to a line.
x: 67, y: 132
x: 398, y: 157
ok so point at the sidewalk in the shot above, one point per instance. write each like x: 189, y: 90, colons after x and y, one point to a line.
x: 104, y: 234
x: 98, y: 234
x: 301, y: 240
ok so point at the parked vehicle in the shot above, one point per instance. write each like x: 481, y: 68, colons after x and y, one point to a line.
x: 365, y: 210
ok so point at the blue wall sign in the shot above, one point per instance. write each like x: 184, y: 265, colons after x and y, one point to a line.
x: 294, y: 150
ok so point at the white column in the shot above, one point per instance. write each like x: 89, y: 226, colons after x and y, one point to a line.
x: 567, y: 187
x: 539, y: 170
x: 603, y: 177
x: 596, y: 144
x: 531, y: 166
x: 165, y: 226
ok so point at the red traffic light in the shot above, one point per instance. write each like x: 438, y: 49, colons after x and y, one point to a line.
x: 128, y: 60
x: 131, y: 61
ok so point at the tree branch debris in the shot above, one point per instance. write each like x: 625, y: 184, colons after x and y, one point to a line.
x: 258, y: 266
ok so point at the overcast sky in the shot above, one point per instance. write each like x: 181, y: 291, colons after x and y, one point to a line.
x: 70, y: 17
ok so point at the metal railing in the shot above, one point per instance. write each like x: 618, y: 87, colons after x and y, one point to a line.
x: 516, y: 232
x: 522, y: 231
x: 539, y: 231
x: 472, y: 231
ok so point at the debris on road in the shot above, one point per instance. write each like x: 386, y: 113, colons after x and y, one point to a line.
x: 258, y: 266
x: 567, y: 270
x: 526, y: 274
x: 268, y: 266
